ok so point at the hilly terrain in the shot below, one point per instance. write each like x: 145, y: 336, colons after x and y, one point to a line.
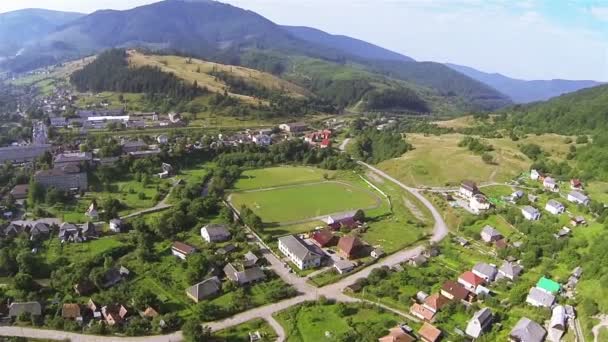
x: 521, y: 91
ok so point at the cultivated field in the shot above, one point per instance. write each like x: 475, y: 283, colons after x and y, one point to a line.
x: 305, y: 201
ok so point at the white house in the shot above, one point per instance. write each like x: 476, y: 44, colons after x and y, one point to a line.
x: 578, y: 198
x: 299, y: 252
x: 182, y: 250
x: 92, y: 211
x: 530, y: 213
x: 490, y: 234
x: 554, y: 207
x: 480, y: 322
x: 115, y: 225
x: 468, y: 189
x: 535, y: 175
x: 540, y: 298
x: 215, y: 233
x: 550, y: 184
x: 262, y: 140
x: 478, y: 203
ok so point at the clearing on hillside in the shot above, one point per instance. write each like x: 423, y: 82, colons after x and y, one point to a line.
x: 279, y: 176
x: 295, y: 203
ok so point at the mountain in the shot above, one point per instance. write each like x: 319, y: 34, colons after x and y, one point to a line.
x: 19, y: 27
x: 347, y: 44
x: 521, y: 91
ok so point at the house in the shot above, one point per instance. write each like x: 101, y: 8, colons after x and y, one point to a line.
x: 343, y: 266
x: 32, y: 308
x: 13, y: 230
x: 576, y: 184
x: 468, y: 189
x: 111, y: 277
x: 114, y: 314
x: 215, y: 233
x: 550, y: 184
x: 554, y: 207
x: 150, y: 312
x: 562, y: 233
x: 377, y: 253
x: 530, y: 213
x: 428, y: 333
x: 250, y: 259
x: 294, y: 127
x: 72, y: 158
x: 470, y: 281
x: 227, y: 249
x: 205, y: 289
x: 349, y: 247
x: 299, y: 252
x: 182, y: 250
x: 91, y: 305
x: 133, y: 146
x: 71, y: 311
x: 455, y: 291
x: 167, y: 170
x: 557, y: 324
x: 509, y: 270
x: 398, y: 334
x: 578, y: 198
x: 116, y: 225
x: 578, y: 221
x: 324, y: 238
x: 20, y: 191
x: 527, y: 330
x: 485, y: 271
x: 418, y: 260
x: 501, y: 244
x: 489, y: 234
x: 435, y: 302
x: 162, y: 139
x: 481, y: 322
x: 40, y: 230
x: 346, y: 220
x: 88, y: 231
x: 548, y: 285
x: 479, y: 203
x: 539, y: 298
x: 577, y: 272
x: 246, y: 276
x: 536, y: 175
x: 69, y: 232
x: 422, y: 312
x: 262, y: 140
x: 84, y: 287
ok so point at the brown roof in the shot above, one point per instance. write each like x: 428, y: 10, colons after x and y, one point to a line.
x: 436, y: 301
x: 323, y: 237
x: 349, y: 245
x: 422, y: 312
x: 455, y: 289
x: 429, y: 333
x: 20, y: 190
x: 501, y: 244
x: 70, y: 311
x: 397, y: 335
x: 183, y: 248
x: 150, y: 312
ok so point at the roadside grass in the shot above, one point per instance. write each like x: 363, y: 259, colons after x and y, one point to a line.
x: 240, y: 333
x: 306, y: 201
x: 316, y: 322
x: 279, y: 176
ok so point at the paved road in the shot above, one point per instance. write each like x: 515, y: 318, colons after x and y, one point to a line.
x: 308, y: 292
x: 344, y: 144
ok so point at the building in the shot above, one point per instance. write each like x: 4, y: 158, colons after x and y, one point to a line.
x: 20, y: 191
x: 557, y: 324
x: 509, y: 270
x: 215, y: 233
x: 429, y: 333
x: 32, y: 308
x: 485, y: 271
x: 578, y: 198
x: 422, y: 312
x: 262, y: 140
x: 324, y: 238
x: 75, y: 158
x: 576, y: 184
x: 66, y: 179
x: 349, y: 247
x: 530, y: 213
x: 539, y: 298
x: 205, y: 289
x: 116, y: 225
x: 527, y: 330
x: 578, y: 221
x: 250, y: 259
x: 479, y: 203
x: 550, y: 184
x: 489, y: 234
x: 134, y: 146
x: 71, y: 311
x: 58, y: 121
x: 470, y: 281
x: 455, y: 291
x: 22, y: 154
x: 481, y: 322
x: 182, y: 250
x: 114, y: 314
x: 468, y: 189
x: 343, y: 266
x: 548, y: 285
x: 299, y: 252
x: 294, y: 127
x: 162, y: 139
x: 244, y: 277
x: 435, y: 302
x: 103, y: 121
x: 554, y: 207
x: 398, y: 334
x: 92, y: 211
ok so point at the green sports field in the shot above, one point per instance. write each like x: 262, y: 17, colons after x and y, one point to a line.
x: 305, y: 201
x: 278, y: 176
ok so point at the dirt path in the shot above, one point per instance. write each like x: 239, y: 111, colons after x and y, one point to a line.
x: 344, y: 144
x: 596, y: 329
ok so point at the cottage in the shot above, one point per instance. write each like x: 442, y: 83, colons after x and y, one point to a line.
x: 398, y: 334
x: 509, y: 270
x: 71, y: 311
x: 548, y: 285
x: 324, y: 238
x: 468, y: 189
x: 422, y: 312
x: 349, y: 247
x: 428, y: 333
x: 205, y: 289
x: 116, y: 225
x: 215, y: 233
x: 162, y: 139
x: 88, y: 231
x: 479, y: 203
x: 20, y: 191
x: 300, y: 253
x: 527, y: 330
x: 536, y: 175
x: 550, y: 184
x: 250, y: 259
x: 578, y: 198
x: 576, y: 184
x: 485, y: 271
x: 539, y: 298
x: 343, y: 266
x: 182, y: 250
x: 530, y: 213
x: 481, y: 322
x: 557, y: 324
x: 262, y: 140
x: 69, y: 232
x: 455, y: 291
x: 554, y: 207
x: 489, y: 234
x: 470, y: 281
x: 244, y: 277
x: 114, y: 314
x: 435, y: 302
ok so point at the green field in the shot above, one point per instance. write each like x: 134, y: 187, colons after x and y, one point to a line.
x: 295, y: 203
x: 278, y: 176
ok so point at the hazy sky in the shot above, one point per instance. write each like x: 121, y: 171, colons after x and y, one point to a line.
x: 534, y: 39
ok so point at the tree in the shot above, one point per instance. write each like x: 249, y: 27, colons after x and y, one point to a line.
x: 23, y: 282
x: 487, y: 158
x: 194, y: 331
x: 36, y: 193
x: 359, y: 216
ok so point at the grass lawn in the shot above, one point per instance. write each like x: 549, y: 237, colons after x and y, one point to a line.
x: 79, y: 251
x: 290, y: 204
x: 240, y: 333
x: 317, y: 322
x: 279, y: 176
x: 598, y: 191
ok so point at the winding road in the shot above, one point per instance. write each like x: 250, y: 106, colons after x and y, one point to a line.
x: 307, y: 292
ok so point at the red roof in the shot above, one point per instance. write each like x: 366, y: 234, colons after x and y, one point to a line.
x: 429, y: 333
x: 323, y: 238
x: 576, y: 183
x: 436, y: 301
x: 422, y: 312
x: 472, y: 278
x: 349, y: 245
x: 183, y: 248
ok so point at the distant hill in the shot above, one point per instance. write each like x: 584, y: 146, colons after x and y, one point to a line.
x: 20, y: 27
x: 347, y: 44
x: 521, y: 91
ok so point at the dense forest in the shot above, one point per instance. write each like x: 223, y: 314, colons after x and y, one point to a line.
x: 111, y: 72
x: 396, y: 99
x: 374, y: 146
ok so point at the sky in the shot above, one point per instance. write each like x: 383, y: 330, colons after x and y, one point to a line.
x: 526, y: 39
